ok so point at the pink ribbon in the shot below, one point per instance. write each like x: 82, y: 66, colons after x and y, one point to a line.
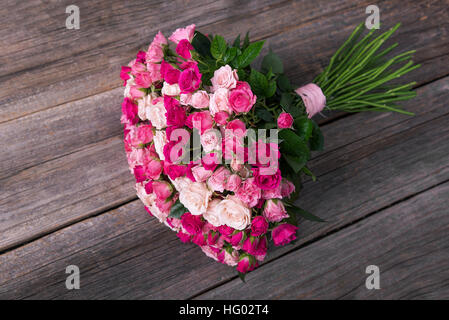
x: 313, y: 98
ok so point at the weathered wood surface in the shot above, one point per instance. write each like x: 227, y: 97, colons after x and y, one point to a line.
x: 89, y: 123
x: 400, y: 240
x: 60, y: 124
x: 68, y: 65
x: 124, y: 254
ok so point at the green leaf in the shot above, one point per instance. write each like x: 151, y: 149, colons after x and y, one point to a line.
x: 296, y: 163
x: 303, y: 213
x: 249, y: 54
x: 293, y: 144
x: 316, y: 142
x: 236, y: 42
x: 218, y: 47
x: 264, y: 114
x: 271, y: 89
x: 284, y: 83
x: 242, y: 276
x: 272, y: 60
x: 201, y: 43
x: 308, y: 172
x: 258, y: 82
x: 287, y: 104
x: 304, y: 127
x: 177, y: 210
x: 230, y: 54
x: 245, y: 41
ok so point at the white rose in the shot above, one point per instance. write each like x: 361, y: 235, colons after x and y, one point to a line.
x: 200, y: 99
x: 149, y: 200
x: 156, y: 114
x: 224, y: 77
x: 212, y: 215
x: 234, y: 213
x: 219, y: 101
x: 181, y: 183
x: 211, y: 140
x: 170, y: 89
x: 130, y: 82
x: 195, y: 197
x: 160, y: 140
x: 143, y: 104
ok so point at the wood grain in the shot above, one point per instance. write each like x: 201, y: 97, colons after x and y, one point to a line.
x: 409, y: 242
x: 85, y: 62
x: 59, y: 192
x: 124, y: 254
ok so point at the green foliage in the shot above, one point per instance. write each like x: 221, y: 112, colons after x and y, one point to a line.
x: 294, y: 210
x: 201, y: 44
x: 218, y: 47
x: 249, y: 54
x: 177, y: 210
x: 272, y: 62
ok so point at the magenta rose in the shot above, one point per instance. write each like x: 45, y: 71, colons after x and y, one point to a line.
x: 129, y: 110
x: 267, y: 182
x: 190, y: 79
x: 236, y: 238
x: 242, y: 98
x: 221, y: 117
x: 174, y: 171
x: 191, y: 223
x: 287, y: 188
x: 143, y: 79
x: 284, y: 234
x: 183, y: 48
x: 153, y: 168
x: 199, y: 239
x: 202, y: 121
x: 274, y: 210
x: 184, y: 237
x: 169, y: 73
x: 259, y: 226
x: 285, y: 120
x: 246, y: 263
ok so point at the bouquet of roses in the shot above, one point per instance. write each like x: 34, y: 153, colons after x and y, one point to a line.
x: 218, y: 149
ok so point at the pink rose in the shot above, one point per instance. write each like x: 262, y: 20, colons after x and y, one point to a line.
x: 138, y: 67
x: 184, y: 237
x: 249, y: 192
x: 185, y: 99
x: 287, y: 188
x: 224, y: 77
x: 190, y: 79
x: 199, y: 239
x: 174, y: 171
x: 267, y: 182
x: 246, y: 263
x: 139, y: 174
x: 162, y: 189
x: 135, y: 92
x: 200, y: 99
x: 218, y: 180
x: 169, y: 73
x: 231, y: 259
x: 259, y: 226
x: 272, y: 193
x: 274, y: 210
x: 192, y: 224
x: 221, y: 117
x: 234, y: 182
x: 256, y: 247
x: 210, y: 161
x: 236, y: 239
x: 155, y: 52
x: 124, y: 74
x: 237, y: 127
x: 201, y: 174
x: 242, y: 99
x: 202, y: 121
x: 211, y: 140
x: 153, y: 169
x: 285, y: 120
x: 183, y: 33
x: 129, y: 110
x: 219, y: 101
x: 138, y: 137
x: 144, y: 80
x: 183, y: 49
x: 284, y: 234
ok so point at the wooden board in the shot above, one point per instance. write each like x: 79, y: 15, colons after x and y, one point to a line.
x: 124, y: 254
x: 68, y: 65
x: 408, y: 242
x: 60, y: 191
